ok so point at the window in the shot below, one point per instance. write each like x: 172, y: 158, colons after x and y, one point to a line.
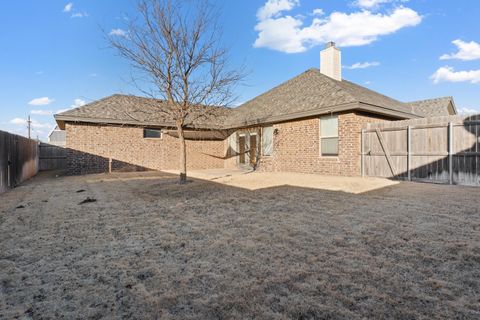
x: 329, y: 136
x: 152, y: 133
x: 267, y: 141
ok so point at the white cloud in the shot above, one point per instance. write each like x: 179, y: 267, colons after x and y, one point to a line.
x: 42, y: 112
x: 35, y: 124
x: 363, y: 65
x: 468, y: 111
x: 79, y: 15
x: 448, y: 74
x: 374, y: 4
x: 76, y: 103
x: 43, y: 101
x: 318, y: 12
x: 370, y: 3
x: 274, y: 7
x: 466, y: 51
x: 280, y: 34
x: 74, y: 13
x: 288, y: 34
x: 118, y: 33
x: 18, y: 121
x: 68, y: 7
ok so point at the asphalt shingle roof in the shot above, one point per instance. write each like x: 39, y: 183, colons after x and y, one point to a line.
x: 433, y: 107
x: 310, y: 92
x: 131, y: 109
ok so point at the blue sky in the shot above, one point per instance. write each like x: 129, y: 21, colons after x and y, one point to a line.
x: 54, y: 55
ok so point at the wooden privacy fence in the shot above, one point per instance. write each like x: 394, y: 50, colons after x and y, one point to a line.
x: 52, y: 157
x: 18, y: 160
x: 440, y: 150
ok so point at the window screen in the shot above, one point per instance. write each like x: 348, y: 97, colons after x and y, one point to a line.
x: 329, y: 136
x: 267, y: 141
x: 152, y: 133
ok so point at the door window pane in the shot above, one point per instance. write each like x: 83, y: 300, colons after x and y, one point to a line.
x: 267, y: 141
x: 232, y: 144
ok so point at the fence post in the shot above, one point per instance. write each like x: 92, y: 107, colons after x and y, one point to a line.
x: 450, y: 152
x: 9, y: 166
x: 409, y: 153
x: 363, y: 152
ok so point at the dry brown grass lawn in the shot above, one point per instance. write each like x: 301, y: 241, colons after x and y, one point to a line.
x: 150, y: 248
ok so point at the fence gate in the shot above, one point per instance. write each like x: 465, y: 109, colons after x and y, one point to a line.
x: 18, y: 160
x: 52, y: 157
x: 438, y: 150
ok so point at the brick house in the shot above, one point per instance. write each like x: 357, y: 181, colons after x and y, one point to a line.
x: 311, y: 123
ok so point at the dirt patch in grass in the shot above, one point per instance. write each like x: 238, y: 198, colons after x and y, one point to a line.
x: 151, y: 248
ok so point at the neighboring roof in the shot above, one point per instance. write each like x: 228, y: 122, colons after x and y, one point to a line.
x: 435, y: 107
x: 127, y: 109
x: 314, y: 93
x: 308, y: 94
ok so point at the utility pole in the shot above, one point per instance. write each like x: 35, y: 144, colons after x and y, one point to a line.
x: 29, y: 123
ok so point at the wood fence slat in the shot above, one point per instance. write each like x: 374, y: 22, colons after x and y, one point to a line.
x: 52, y: 157
x: 445, y: 149
x: 362, y: 150
x: 18, y: 160
x: 450, y: 152
x: 386, y: 151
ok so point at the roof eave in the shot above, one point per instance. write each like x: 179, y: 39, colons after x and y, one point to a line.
x: 62, y: 119
x: 452, y: 101
x: 387, y: 111
x: 333, y: 109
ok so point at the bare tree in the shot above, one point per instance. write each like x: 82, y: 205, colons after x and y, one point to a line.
x: 175, y: 45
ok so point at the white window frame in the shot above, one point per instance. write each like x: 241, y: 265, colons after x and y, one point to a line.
x: 328, y: 137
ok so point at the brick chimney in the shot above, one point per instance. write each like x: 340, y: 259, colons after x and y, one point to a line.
x: 331, y: 61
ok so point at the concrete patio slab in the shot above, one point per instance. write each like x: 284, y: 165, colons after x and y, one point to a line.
x: 253, y: 180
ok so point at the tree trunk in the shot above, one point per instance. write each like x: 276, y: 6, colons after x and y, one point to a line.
x: 183, y: 155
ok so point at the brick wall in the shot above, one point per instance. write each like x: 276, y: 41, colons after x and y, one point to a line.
x: 90, y: 146
x: 297, y: 146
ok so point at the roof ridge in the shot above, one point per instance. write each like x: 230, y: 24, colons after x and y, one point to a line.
x: 335, y: 83
x: 88, y: 104
x: 281, y: 85
x: 159, y: 100
x: 432, y: 99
